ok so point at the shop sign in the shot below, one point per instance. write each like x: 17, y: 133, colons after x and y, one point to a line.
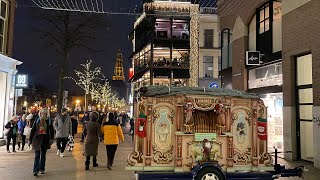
x: 214, y: 85
x: 22, y: 81
x: 208, y: 10
x: 253, y: 58
x: 203, y: 136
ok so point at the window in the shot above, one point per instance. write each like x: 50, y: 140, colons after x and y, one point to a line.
x: 264, y: 19
x: 3, y: 25
x: 208, y: 66
x: 208, y: 38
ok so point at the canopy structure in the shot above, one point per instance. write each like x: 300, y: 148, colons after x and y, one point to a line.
x: 158, y: 91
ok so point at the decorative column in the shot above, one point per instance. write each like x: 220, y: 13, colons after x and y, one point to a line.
x: 194, y: 45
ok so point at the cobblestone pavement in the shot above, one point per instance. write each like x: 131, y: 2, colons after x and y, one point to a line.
x: 18, y: 166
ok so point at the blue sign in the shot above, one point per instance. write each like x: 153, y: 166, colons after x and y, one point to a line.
x: 214, y: 85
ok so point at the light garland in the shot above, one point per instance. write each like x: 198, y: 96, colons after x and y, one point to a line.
x: 194, y: 45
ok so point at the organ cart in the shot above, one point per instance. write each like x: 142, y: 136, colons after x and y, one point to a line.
x: 199, y: 133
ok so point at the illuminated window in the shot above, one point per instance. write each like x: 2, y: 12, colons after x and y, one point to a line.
x: 264, y: 19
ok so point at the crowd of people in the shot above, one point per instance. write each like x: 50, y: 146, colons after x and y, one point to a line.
x: 39, y: 130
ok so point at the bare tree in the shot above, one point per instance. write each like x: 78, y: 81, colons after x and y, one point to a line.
x: 64, y: 31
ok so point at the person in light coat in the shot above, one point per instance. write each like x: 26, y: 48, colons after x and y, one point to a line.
x: 63, y: 127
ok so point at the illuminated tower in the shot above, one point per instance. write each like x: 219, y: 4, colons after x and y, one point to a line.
x: 118, y: 69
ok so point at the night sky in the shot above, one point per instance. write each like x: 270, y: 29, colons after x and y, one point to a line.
x: 37, y: 57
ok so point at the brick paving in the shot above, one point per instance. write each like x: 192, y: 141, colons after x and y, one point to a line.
x: 18, y: 166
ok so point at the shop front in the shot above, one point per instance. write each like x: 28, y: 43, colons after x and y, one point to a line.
x: 7, y: 74
x: 266, y: 81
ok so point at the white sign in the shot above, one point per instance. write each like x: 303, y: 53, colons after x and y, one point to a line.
x: 22, y: 80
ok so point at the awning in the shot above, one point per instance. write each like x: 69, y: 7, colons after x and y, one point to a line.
x: 138, y: 75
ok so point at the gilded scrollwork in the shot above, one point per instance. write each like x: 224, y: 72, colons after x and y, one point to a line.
x: 189, y: 155
x: 134, y: 158
x: 266, y: 159
x: 162, y: 156
x: 242, y: 159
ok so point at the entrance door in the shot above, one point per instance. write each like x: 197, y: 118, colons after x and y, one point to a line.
x: 304, y: 107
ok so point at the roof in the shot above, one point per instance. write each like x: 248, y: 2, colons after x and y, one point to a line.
x: 161, y: 91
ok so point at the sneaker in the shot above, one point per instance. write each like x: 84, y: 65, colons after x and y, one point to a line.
x: 35, y: 173
x: 41, y: 172
x: 14, y: 151
x: 9, y: 151
x: 58, y: 152
x: 109, y: 167
x: 61, y: 155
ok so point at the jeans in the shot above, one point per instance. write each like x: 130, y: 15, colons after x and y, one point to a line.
x: 23, y: 137
x: 111, y: 151
x: 62, y: 141
x: 14, y: 138
x: 40, y: 159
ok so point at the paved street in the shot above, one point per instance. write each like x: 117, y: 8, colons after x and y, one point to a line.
x: 18, y: 166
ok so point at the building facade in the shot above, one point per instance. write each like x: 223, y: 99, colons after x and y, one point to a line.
x: 165, y: 44
x: 209, y: 53
x: 268, y: 48
x: 7, y: 64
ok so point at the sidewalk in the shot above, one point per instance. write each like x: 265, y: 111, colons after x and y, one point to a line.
x: 18, y: 166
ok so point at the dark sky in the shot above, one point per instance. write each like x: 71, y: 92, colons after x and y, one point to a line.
x: 37, y: 57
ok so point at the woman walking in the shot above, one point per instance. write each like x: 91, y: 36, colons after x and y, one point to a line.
x: 21, y: 125
x: 93, y: 131
x: 112, y: 133
x: 12, y: 128
x: 41, y: 137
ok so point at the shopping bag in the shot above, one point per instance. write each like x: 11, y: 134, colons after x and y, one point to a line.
x: 27, y: 131
x: 70, y: 143
x: 6, y: 132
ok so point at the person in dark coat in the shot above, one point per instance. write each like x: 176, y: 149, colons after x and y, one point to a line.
x: 12, y: 127
x: 21, y: 125
x: 41, y: 137
x: 93, y: 131
x: 74, y: 123
x: 83, y: 121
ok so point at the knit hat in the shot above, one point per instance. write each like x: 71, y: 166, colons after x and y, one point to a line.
x: 30, y: 116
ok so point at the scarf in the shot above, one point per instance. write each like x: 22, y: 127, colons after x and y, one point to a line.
x: 42, y: 126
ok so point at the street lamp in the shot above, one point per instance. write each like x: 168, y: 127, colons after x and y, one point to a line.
x: 78, y: 101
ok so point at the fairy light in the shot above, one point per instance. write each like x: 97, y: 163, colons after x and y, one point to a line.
x: 194, y: 45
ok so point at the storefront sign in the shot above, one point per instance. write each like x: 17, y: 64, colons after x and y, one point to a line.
x: 130, y: 73
x: 208, y: 10
x: 22, y: 81
x: 202, y: 136
x: 253, y: 58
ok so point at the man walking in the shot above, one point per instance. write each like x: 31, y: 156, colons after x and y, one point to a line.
x: 63, y: 126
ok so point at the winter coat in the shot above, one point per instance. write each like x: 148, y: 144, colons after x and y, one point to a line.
x: 41, y: 140
x: 74, y: 126
x: 63, y: 129
x: 93, y: 131
x: 112, y: 133
x: 12, y: 125
x: 21, y: 125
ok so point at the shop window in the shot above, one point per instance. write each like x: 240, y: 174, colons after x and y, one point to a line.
x: 180, y: 58
x: 208, y: 38
x: 270, y: 75
x: 208, y: 66
x: 3, y: 82
x: 304, y: 91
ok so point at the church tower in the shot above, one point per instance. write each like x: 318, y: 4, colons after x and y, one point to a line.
x: 118, y: 70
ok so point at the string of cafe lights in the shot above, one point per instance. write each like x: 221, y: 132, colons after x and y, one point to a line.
x: 97, y: 6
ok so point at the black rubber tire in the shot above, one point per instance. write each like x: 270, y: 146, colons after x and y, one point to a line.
x: 213, y: 170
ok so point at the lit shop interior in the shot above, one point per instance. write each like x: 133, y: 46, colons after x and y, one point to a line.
x: 269, y: 77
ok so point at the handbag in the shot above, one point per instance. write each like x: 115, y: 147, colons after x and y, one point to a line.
x: 27, y: 131
x: 6, y: 131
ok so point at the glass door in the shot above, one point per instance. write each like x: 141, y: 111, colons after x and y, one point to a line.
x: 304, y: 107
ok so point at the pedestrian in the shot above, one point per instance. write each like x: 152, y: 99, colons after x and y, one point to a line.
x: 93, y: 131
x: 27, y: 130
x: 112, y: 133
x: 63, y: 126
x: 74, y: 122
x: 21, y: 125
x: 84, y: 120
x: 41, y: 137
x: 12, y: 130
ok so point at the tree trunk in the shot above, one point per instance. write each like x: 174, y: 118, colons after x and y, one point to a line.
x: 61, y: 88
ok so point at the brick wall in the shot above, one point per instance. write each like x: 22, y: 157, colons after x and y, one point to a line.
x: 301, y: 31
